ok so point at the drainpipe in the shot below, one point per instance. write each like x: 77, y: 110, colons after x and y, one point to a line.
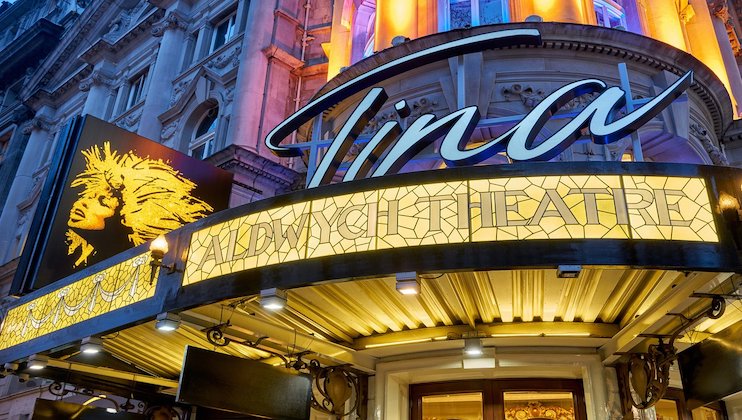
x: 305, y: 38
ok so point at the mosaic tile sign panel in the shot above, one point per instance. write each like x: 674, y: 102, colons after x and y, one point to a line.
x: 467, y: 211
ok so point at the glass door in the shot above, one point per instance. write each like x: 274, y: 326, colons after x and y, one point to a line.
x: 506, y: 399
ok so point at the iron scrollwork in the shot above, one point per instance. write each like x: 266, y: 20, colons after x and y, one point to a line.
x: 335, y: 385
x: 649, y: 373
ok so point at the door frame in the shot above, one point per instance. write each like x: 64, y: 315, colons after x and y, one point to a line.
x: 493, y: 390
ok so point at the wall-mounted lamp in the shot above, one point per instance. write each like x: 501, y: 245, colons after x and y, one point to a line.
x: 568, y: 271
x: 408, y: 283
x: 473, y: 346
x: 157, y: 250
x: 167, y: 321
x: 37, y: 362
x: 91, y: 345
x: 273, y: 299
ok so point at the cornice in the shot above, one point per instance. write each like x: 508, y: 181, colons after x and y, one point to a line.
x: 102, y: 47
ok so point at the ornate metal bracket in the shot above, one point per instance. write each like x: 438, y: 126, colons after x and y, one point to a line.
x: 334, y: 384
x: 649, y: 373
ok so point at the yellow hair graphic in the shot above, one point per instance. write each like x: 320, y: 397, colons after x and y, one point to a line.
x: 151, y: 197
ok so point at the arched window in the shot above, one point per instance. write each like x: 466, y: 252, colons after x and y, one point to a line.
x: 203, y: 140
x: 609, y: 14
x: 455, y: 14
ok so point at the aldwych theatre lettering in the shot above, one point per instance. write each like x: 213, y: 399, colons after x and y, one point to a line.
x: 474, y: 210
x: 390, y: 147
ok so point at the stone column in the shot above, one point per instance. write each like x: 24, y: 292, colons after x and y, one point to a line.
x: 699, y: 25
x: 245, y: 127
x: 14, y: 213
x: 340, y: 42
x: 720, y: 19
x: 664, y: 23
x: 394, y: 18
x: 97, y: 85
x: 560, y: 11
x: 171, y: 29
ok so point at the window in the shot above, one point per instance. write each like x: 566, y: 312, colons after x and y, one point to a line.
x: 136, y: 90
x: 462, y: 13
x: 609, y: 14
x: 224, y: 31
x: 203, y: 140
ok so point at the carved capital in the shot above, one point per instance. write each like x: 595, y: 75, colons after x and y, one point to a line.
x: 96, y: 78
x: 37, y: 123
x: 719, y: 9
x: 173, y: 20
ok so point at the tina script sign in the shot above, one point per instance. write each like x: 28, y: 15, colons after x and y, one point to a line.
x: 391, y: 148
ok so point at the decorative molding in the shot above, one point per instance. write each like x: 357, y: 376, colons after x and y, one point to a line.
x: 274, y: 52
x: 716, y: 155
x: 529, y: 95
x: 168, y: 131
x: 130, y: 121
x: 228, y: 57
x: 178, y: 90
x: 173, y: 20
x: 96, y: 78
x: 39, y: 122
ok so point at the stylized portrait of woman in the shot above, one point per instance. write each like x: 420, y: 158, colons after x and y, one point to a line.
x: 127, y: 195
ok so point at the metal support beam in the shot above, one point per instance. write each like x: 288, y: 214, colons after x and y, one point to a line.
x: 290, y: 338
x: 658, y: 315
x: 111, y: 373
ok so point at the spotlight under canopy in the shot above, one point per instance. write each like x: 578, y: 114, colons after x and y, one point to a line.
x: 273, y: 299
x: 408, y: 283
x: 37, y: 361
x: 91, y: 345
x: 167, y: 321
x: 473, y: 346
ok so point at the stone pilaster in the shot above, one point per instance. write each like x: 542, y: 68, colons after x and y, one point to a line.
x: 720, y: 17
x: 18, y: 209
x: 96, y: 85
x: 172, y: 31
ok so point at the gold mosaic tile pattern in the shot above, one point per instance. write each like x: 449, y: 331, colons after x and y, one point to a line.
x: 669, y: 208
x: 110, y: 289
x: 426, y: 215
x: 498, y: 209
x: 545, y: 207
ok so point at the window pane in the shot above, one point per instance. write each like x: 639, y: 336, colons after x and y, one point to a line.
x: 538, y: 404
x: 599, y: 15
x: 490, y: 11
x: 453, y: 406
x: 613, y: 21
x: 199, y: 152
x: 460, y: 13
x: 666, y: 410
x: 703, y: 413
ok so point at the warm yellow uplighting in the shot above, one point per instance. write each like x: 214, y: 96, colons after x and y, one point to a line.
x: 395, y: 18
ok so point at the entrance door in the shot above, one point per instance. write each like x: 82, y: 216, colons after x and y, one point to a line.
x: 509, y: 399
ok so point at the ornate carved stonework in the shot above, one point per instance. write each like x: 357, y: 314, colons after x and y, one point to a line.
x: 168, y: 131
x: 95, y: 78
x: 716, y: 155
x: 529, y: 95
x: 38, y: 123
x: 228, y: 57
x: 130, y: 121
x: 173, y: 20
x: 178, y: 91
